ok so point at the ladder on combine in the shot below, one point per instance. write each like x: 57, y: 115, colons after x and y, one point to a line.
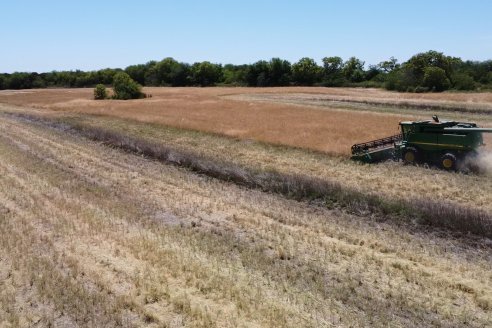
x: 376, y: 150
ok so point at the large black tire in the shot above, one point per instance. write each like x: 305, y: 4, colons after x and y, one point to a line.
x: 410, y: 156
x: 449, y: 162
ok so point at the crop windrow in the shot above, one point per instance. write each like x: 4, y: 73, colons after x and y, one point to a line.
x: 296, y: 186
x: 329, y: 101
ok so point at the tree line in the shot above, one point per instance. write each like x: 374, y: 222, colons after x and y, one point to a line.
x: 428, y: 71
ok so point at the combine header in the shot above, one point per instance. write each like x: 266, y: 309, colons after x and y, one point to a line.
x: 444, y: 143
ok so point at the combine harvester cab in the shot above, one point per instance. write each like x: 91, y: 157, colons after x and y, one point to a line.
x: 442, y: 143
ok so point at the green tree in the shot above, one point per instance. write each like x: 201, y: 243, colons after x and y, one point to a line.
x: 374, y: 73
x: 206, y: 73
x: 235, y: 74
x: 463, y: 81
x: 418, y: 64
x: 279, y: 72
x: 100, y: 92
x: 306, y: 72
x: 388, y: 66
x: 18, y: 80
x: 151, y: 74
x: 125, y: 88
x: 332, y: 65
x: 488, y: 78
x: 435, y: 79
x: 257, y: 74
x: 382, y: 71
x: 106, y: 75
x: 171, y: 72
x: 38, y: 82
x: 137, y: 73
x: 332, y: 71
x: 353, y: 69
x: 82, y: 80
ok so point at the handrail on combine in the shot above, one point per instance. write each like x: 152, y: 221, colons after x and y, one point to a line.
x: 379, y: 143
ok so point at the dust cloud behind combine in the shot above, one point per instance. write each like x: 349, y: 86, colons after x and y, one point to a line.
x: 482, y: 163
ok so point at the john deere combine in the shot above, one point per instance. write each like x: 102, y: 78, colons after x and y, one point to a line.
x: 442, y: 143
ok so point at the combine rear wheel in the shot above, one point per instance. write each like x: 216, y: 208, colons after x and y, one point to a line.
x: 410, y: 155
x: 449, y: 162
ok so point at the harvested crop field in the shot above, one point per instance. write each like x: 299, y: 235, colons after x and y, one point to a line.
x: 94, y: 236
x: 239, y: 113
x: 132, y: 214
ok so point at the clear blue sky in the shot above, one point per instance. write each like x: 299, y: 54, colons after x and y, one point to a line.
x: 66, y: 35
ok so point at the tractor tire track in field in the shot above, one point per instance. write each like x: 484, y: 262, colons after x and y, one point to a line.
x: 365, y: 104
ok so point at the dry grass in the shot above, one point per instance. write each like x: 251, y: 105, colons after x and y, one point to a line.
x: 378, y: 100
x: 60, y: 96
x: 439, y: 213
x: 391, y: 180
x: 205, y: 109
x: 94, y: 236
x: 414, y: 108
x: 243, y: 112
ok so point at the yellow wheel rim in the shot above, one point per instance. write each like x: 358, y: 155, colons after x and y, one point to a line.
x: 410, y: 157
x: 447, y: 163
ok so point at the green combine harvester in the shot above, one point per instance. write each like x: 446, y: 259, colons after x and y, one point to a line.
x: 442, y: 143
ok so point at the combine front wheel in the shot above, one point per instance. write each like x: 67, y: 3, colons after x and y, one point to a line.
x: 410, y: 155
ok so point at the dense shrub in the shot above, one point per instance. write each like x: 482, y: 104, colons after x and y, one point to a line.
x: 306, y: 72
x: 420, y: 89
x: 235, y: 75
x: 401, y: 80
x: 353, y: 70
x: 205, y: 73
x: 100, y: 92
x: 488, y: 78
x: 276, y: 72
x: 169, y: 72
x: 366, y: 84
x: 126, y: 88
x: 463, y: 81
x: 435, y: 79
